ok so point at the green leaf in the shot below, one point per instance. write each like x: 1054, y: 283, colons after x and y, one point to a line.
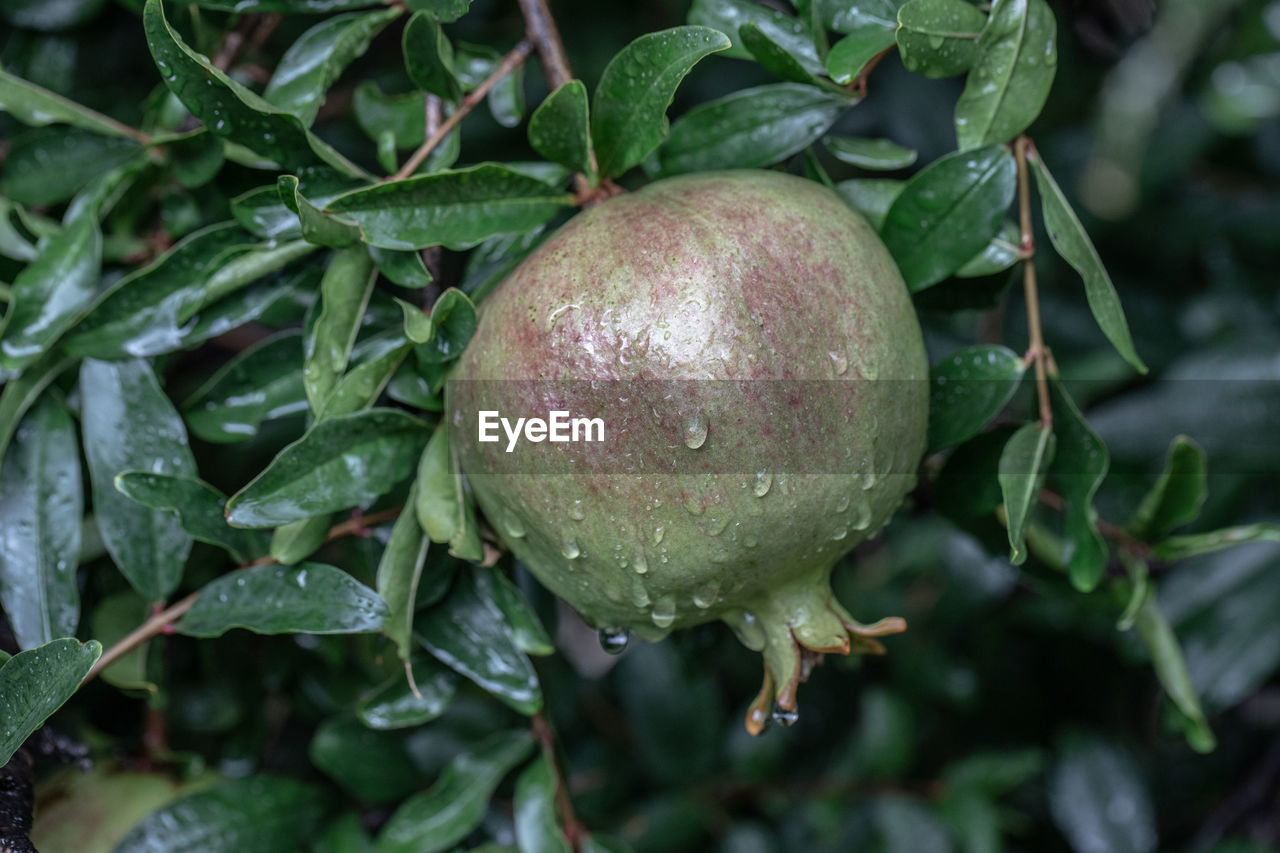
x: 406, y: 269
x: 51, y: 292
x: 41, y: 501
x: 907, y: 826
x: 875, y: 154
x: 378, y: 357
x: 315, y: 225
x: 394, y: 704
x: 50, y: 165
x: 35, y: 683
x: 446, y: 813
x: 373, y: 766
x: 1171, y: 669
x: 443, y: 509
x: 1090, y: 778
x: 230, y: 110
x: 198, y: 507
x: 474, y: 64
x: 1011, y: 75
x: 939, y: 38
x: 399, y: 570
x: 1079, y: 466
x: 452, y: 323
x: 455, y: 209
x: 628, y: 113
x: 1023, y: 464
x: 345, y: 834
x: 110, y: 622
x: 948, y: 213
x: 344, y: 295
x: 1073, y: 244
x: 1178, y: 494
x: 129, y: 425
x: 262, y: 383
x: 852, y: 53
x: 467, y: 632
x: 309, y: 598
x: 13, y: 244
x: 777, y: 60
x: 35, y: 105
x: 314, y: 62
x: 786, y: 31
x: 749, y: 128
x: 428, y: 57
x: 293, y: 542
x: 447, y: 11
x: 196, y: 158
x: 254, y: 814
x: 967, y: 389
x: 401, y: 116
x: 872, y: 197
x: 18, y: 394
x: 491, y: 261
x: 1000, y: 254
x: 560, y: 129
x: 339, y: 463
x: 526, y: 627
x: 537, y: 828
x: 1181, y: 547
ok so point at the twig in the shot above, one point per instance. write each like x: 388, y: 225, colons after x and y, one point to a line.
x: 508, y: 64
x: 162, y: 621
x: 574, y: 832
x: 252, y: 32
x: 859, y: 83
x: 1037, y: 353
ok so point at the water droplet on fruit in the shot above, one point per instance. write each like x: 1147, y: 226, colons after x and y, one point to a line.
x: 614, y: 640
x: 664, y: 611
x: 716, y: 525
x: 706, y: 597
x: 515, y: 529
x: 694, y: 507
x: 570, y: 549
x: 840, y: 534
x: 842, y: 504
x: 576, y: 512
x: 839, y: 361
x: 658, y: 533
x: 783, y: 717
x: 640, y: 564
x: 764, y: 479
x: 695, y: 430
x: 862, y: 515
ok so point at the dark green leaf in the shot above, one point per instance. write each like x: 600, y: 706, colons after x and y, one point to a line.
x: 1023, y: 464
x: 1000, y: 254
x: 1073, y: 244
x: 13, y: 244
x: 254, y: 814
x: 456, y: 209
x: 230, y: 110
x: 560, y: 129
x: 20, y: 393
x: 35, y: 683
x: 1091, y: 777
x: 452, y: 323
x: 378, y: 359
x: 50, y: 165
x: 777, y: 60
x: 346, y: 834
x: 1079, y: 467
x: 344, y: 295
x: 872, y: 197
x: 629, y: 110
x: 443, y: 508
x: 51, y: 291
x: 406, y: 269
x: 293, y: 542
x: 939, y: 38
x: 492, y: 260
x: 1180, y: 547
x: 314, y: 62
x: 1171, y: 669
x: 262, y: 383
x: 198, y: 507
x: 129, y: 425
x: 752, y: 127
x: 474, y: 64
x: 374, y: 766
x: 310, y: 598
x: 526, y: 627
x: 114, y: 617
x: 876, y: 154
x: 852, y: 53
x: 339, y: 463
x: 398, y: 572
x: 428, y: 57
x: 196, y: 158
x: 537, y: 829
x: 844, y: 16
x: 1011, y: 74
x: 440, y: 817
x: 315, y: 225
x: 41, y: 501
x: 967, y: 389
x: 400, y: 116
x: 786, y: 31
x: 35, y: 105
x: 291, y: 7
x: 1178, y: 494
x: 467, y: 631
x: 447, y: 11
x: 948, y: 212
x: 394, y: 705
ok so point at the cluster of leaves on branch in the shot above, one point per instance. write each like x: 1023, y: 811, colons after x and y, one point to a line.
x: 233, y: 281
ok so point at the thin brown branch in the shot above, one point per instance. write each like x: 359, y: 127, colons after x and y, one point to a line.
x: 1037, y: 351
x: 509, y: 63
x: 541, y: 29
x: 574, y: 832
x: 252, y: 32
x: 859, y: 83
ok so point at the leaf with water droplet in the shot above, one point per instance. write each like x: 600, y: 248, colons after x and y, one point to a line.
x: 967, y: 389
x: 526, y: 627
x: 875, y: 154
x: 852, y: 53
x: 344, y: 295
x: 788, y: 32
x: 443, y: 507
x: 560, y: 129
x: 35, y: 683
x: 198, y: 507
x: 1023, y: 464
x: 393, y: 704
x: 939, y: 38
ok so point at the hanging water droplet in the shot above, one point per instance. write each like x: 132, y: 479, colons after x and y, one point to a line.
x: 749, y: 541
x: 862, y: 515
x: 576, y: 512
x: 840, y: 534
x: 614, y: 640
x: 640, y: 564
x: 783, y: 717
x: 842, y: 504
x: 640, y: 596
x: 570, y: 549
x: 694, y: 507
x: 658, y: 533
x: 764, y: 479
x: 716, y: 524
x: 664, y: 611
x: 839, y: 361
x: 695, y: 430
x: 705, y: 598
x: 515, y: 528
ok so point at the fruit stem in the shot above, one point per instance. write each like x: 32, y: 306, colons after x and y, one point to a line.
x: 1038, y: 352
x: 574, y: 832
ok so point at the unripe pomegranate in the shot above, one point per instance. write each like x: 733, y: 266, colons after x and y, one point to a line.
x: 752, y: 354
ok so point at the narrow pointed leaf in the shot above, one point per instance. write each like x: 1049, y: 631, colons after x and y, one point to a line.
x: 1000, y: 254
x: 526, y: 628
x: 315, y: 225
x: 198, y: 507
x: 776, y: 59
x: 1193, y: 544
x: 1178, y: 494
x: 537, y: 828
x: 939, y: 38
x: 1080, y: 464
x: 35, y: 683
x: 629, y: 110
x: 875, y: 154
x: 1171, y: 669
x: 379, y: 358
x: 393, y: 704
x: 344, y: 294
x: 1023, y: 465
x: 428, y: 57
x: 850, y: 55
x: 787, y: 31
x: 50, y: 165
x: 560, y: 129
x: 260, y: 384
x: 443, y: 508
x: 35, y: 105
x: 406, y: 269
x: 967, y: 389
x: 293, y: 542
x: 19, y: 394
x: 398, y: 572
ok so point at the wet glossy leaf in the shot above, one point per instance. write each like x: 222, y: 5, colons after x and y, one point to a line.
x: 751, y: 127
x: 260, y: 384
x: 1023, y: 464
x: 293, y: 542
x: 844, y: 16
x: 51, y: 291
x: 1191, y: 545
x: 373, y: 766
x: 452, y: 323
x: 344, y: 294
x: 447, y: 11
x: 872, y: 197
x: 939, y: 38
x: 406, y: 269
x: 339, y: 463
x: 286, y: 6
x: 393, y: 704
x: 786, y: 31
x: 314, y: 62
x: 398, y: 572
x: 1079, y: 466
x: 129, y: 424
x: 456, y: 209
x: 346, y: 834
x: 526, y: 627
x: 377, y: 359
x: 948, y: 212
x: 1000, y: 254
x: 50, y: 165
x: 230, y: 110
x: 1073, y: 244
x: 967, y: 389
x: 474, y: 64
x: 467, y: 632
x: 1011, y: 75
x: 443, y: 509
x: 35, y: 683
x: 198, y: 507
x: 629, y: 109
x: 443, y: 815
x: 19, y: 394
x: 876, y: 154
x: 196, y: 158
x: 537, y: 828
x: 491, y: 261
x: 776, y: 59
x: 41, y: 502
x: 254, y: 814
x: 560, y: 129
x: 401, y: 117
x: 315, y: 225
x: 310, y: 598
x: 36, y: 105
x: 1100, y: 801
x: 852, y: 53
x: 428, y: 57
x: 1171, y: 669
x: 1177, y: 495
x: 13, y: 244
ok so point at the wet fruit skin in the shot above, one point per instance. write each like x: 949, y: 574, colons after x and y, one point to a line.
x: 772, y: 287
